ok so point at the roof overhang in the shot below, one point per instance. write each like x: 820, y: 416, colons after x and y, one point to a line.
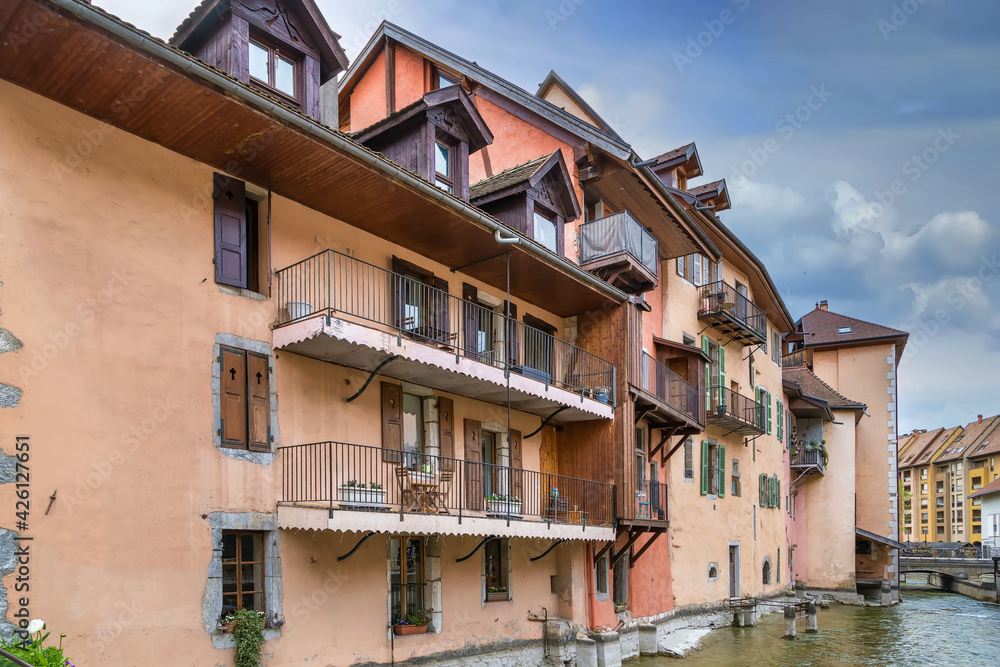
x: 685, y: 158
x: 875, y: 537
x: 196, y: 111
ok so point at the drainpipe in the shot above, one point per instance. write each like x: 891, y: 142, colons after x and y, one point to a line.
x: 505, y: 240
x: 183, y: 62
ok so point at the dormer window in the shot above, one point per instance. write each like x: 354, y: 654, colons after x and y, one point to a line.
x: 273, y: 68
x: 444, y: 167
x: 545, y: 231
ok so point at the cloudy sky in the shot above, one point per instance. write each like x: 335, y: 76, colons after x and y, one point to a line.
x: 859, y: 139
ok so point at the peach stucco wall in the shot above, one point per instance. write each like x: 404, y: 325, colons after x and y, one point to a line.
x: 108, y: 280
x: 368, y: 97
x: 409, y: 76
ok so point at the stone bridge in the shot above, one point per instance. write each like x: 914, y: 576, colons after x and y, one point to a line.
x: 952, y: 567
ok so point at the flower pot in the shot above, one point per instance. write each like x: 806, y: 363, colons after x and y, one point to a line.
x: 357, y: 497
x: 227, y: 628
x: 504, y: 507
x: 404, y: 630
x: 297, y: 309
x: 500, y: 596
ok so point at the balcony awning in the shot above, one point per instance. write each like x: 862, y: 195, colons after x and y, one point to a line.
x: 875, y: 537
x: 354, y: 345
x: 317, y: 517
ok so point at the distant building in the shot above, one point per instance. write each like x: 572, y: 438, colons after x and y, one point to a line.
x: 988, y: 499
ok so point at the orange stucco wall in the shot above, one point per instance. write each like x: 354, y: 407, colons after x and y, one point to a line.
x: 368, y: 97
x: 409, y: 76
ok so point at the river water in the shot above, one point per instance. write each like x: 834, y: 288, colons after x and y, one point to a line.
x: 928, y: 629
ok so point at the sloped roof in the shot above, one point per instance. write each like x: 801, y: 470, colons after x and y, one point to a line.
x: 812, y: 385
x: 822, y: 327
x: 554, y: 79
x: 507, y: 178
x: 715, y: 193
x: 923, y: 442
x: 679, y: 156
x: 970, y: 440
x: 992, y: 487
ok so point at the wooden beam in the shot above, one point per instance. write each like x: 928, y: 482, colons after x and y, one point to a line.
x: 638, y: 554
x: 390, y: 77
x: 674, y: 449
x: 665, y: 435
x: 633, y: 536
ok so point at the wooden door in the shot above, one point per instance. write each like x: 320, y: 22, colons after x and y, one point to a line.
x: 473, y: 464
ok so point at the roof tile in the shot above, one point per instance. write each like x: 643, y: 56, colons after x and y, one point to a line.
x: 507, y: 178
x: 812, y: 385
x: 820, y: 327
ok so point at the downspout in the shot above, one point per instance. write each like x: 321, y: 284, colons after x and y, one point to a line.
x: 181, y: 61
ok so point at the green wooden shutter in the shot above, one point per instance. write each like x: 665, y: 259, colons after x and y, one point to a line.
x: 774, y: 491
x: 780, y: 498
x: 769, y: 419
x: 761, y: 484
x: 781, y: 421
x: 708, y: 374
x: 704, y: 467
x: 722, y: 470
x: 722, y: 366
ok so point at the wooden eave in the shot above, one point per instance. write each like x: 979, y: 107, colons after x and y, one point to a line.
x: 684, y: 350
x: 94, y: 63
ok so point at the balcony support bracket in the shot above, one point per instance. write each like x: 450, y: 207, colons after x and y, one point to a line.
x: 641, y: 551
x: 749, y: 441
x: 554, y: 545
x: 750, y: 353
x: 478, y: 547
x: 371, y: 377
x: 480, y: 261
x: 356, y: 547
x: 546, y: 421
x: 673, y: 449
x: 665, y: 435
x: 633, y: 536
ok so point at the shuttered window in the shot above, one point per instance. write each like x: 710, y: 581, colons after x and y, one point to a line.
x: 246, y: 400
x: 689, y: 458
x: 235, y: 233
x: 762, y: 487
x: 770, y: 420
x: 781, y: 420
x: 713, y: 469
x: 721, y: 481
x: 705, y: 467
x: 680, y: 266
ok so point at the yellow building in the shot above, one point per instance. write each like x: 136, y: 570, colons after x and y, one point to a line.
x: 924, y: 504
x: 957, y: 468
x: 981, y: 469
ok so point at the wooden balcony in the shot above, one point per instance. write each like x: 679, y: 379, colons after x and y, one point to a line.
x: 808, y: 461
x: 734, y: 412
x: 732, y: 314
x: 619, y: 250
x: 667, y: 400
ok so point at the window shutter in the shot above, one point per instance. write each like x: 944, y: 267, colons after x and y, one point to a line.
x: 516, y: 476
x: 718, y: 272
x: 234, y: 398
x: 696, y: 270
x: 680, y: 266
x: 774, y: 491
x: 722, y: 470
x: 704, y: 467
x: 722, y: 366
x: 705, y: 271
x: 470, y: 319
x: 777, y: 486
x: 442, y: 307
x: 761, y: 485
x: 392, y: 422
x: 259, y: 396
x: 230, y: 230
x: 398, y: 292
x: 513, y: 344
x: 446, y: 432
x: 473, y: 464
x: 708, y: 374
x: 781, y: 421
x: 769, y: 419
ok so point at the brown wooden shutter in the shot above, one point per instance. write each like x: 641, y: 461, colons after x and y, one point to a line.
x: 398, y: 289
x: 441, y: 309
x: 512, y: 333
x: 470, y: 319
x: 474, y: 464
x: 446, y: 432
x: 234, y: 398
x: 259, y: 397
x: 392, y: 422
x: 516, y: 476
x: 230, y: 231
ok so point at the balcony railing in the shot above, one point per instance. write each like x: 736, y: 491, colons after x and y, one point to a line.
x: 331, y: 282
x: 618, y: 233
x: 650, y: 501
x: 808, y: 458
x: 730, y: 409
x: 798, y: 358
x: 340, y: 476
x: 732, y: 312
x: 670, y: 387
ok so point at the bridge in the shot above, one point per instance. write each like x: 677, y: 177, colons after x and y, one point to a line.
x: 971, y: 568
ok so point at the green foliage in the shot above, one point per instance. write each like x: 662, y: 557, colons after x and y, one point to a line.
x: 249, y: 636
x: 34, y: 651
x: 419, y: 617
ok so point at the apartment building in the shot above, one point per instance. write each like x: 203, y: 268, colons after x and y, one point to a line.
x: 923, y: 486
x: 860, y: 360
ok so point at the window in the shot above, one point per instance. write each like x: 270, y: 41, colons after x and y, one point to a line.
x: 696, y: 269
x: 940, y: 517
x: 495, y: 570
x: 923, y: 489
x: 545, y: 232
x: 940, y: 530
x: 977, y: 483
x: 242, y: 571
x: 245, y: 418
x: 906, y: 476
x: 236, y: 233
x: 601, y: 578
x: 940, y: 486
x: 444, y: 167
x: 766, y: 572
x: 736, y: 478
x: 640, y: 458
x: 406, y: 576
x: 441, y: 79
x: 776, y: 346
x: 680, y: 266
x: 713, y: 469
x: 620, y: 581
x: 272, y: 68
x: 923, y: 503
x: 413, y: 430
x: 781, y: 420
x: 689, y: 458
x: 923, y: 517
x: 923, y: 473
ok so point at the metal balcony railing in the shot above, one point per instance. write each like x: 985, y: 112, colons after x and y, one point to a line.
x: 721, y: 300
x: 341, y: 476
x: 726, y: 405
x: 650, y: 501
x: 332, y: 282
x: 670, y: 387
x: 618, y: 233
x: 807, y: 457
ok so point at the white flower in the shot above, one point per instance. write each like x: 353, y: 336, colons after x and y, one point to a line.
x: 36, y: 625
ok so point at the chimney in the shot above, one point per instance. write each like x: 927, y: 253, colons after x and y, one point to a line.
x: 980, y: 418
x: 822, y: 304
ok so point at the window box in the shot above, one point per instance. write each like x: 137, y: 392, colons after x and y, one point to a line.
x: 496, y: 596
x: 502, y: 505
x: 406, y: 630
x: 361, y: 496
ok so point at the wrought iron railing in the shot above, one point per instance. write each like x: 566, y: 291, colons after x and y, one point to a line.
x: 650, y: 501
x: 343, y: 476
x: 722, y: 298
x: 617, y: 233
x: 332, y: 282
x: 670, y: 387
x: 726, y: 403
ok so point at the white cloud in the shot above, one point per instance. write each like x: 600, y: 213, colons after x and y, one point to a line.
x: 767, y: 198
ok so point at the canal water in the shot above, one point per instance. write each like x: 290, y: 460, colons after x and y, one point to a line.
x: 926, y: 629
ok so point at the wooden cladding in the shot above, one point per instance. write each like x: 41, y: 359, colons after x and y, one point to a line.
x: 246, y: 400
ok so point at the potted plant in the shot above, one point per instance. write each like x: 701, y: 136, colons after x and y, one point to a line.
x: 413, y: 624
x: 359, y: 494
x: 248, y: 631
x: 31, y: 649
x: 496, y: 594
x: 602, y: 394
x: 497, y: 504
x: 297, y: 309
x: 227, y: 622
x: 620, y: 606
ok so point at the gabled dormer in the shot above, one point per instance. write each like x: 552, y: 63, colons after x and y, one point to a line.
x: 284, y: 48
x: 675, y: 168
x: 714, y: 194
x: 433, y: 138
x: 535, y: 198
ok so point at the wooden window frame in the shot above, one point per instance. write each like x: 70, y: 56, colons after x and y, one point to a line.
x: 689, y: 458
x: 239, y: 563
x: 500, y: 548
x: 737, y: 483
x: 274, y: 51
x: 404, y: 539
x: 452, y: 145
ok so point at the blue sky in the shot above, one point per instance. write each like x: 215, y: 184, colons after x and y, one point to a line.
x: 859, y: 139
